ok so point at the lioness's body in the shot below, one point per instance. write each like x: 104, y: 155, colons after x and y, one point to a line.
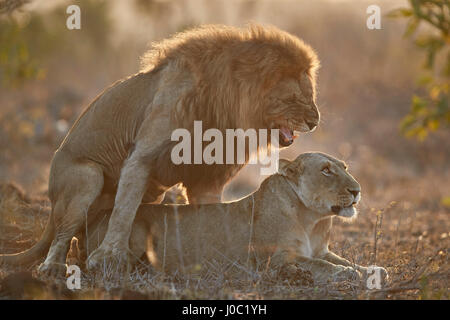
x: 223, y: 232
x: 286, y: 221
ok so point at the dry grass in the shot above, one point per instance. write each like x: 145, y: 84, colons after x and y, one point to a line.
x: 410, y: 241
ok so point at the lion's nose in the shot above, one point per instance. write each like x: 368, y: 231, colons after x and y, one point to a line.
x: 353, y: 192
x: 311, y: 125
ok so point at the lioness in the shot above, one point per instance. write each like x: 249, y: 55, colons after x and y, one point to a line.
x: 117, y: 154
x: 287, y: 221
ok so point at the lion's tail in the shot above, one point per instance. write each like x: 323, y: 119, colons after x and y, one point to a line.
x: 33, y: 254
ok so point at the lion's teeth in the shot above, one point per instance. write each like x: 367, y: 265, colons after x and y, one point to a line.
x: 286, y: 134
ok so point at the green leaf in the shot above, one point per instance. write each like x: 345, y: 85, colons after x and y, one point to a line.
x: 411, y: 27
x: 430, y: 59
x: 429, y: 41
x: 425, y: 80
x: 400, y: 13
x: 418, y: 104
x: 433, y: 124
x: 446, y: 69
x: 443, y: 105
x: 422, y: 133
x: 407, y: 122
x: 445, y: 201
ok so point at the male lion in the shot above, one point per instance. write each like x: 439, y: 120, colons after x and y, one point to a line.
x: 119, y: 148
x: 287, y: 221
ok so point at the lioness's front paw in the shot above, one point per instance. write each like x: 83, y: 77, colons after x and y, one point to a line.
x: 111, y: 257
x: 346, y: 274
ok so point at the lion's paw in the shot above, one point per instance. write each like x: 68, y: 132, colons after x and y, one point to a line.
x: 54, y: 270
x: 108, y: 258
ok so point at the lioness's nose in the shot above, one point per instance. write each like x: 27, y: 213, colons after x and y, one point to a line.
x: 354, y: 192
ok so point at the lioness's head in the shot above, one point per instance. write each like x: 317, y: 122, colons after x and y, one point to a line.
x: 323, y: 184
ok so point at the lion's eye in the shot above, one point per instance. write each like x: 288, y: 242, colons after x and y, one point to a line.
x: 326, y: 171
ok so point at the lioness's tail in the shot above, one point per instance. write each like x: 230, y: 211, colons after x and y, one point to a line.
x: 37, y: 251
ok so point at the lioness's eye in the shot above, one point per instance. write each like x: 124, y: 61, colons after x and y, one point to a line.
x: 326, y: 171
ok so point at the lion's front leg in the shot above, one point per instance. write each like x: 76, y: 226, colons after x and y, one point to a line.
x: 134, y: 177
x: 132, y: 185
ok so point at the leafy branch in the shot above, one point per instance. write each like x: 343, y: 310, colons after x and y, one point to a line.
x: 430, y: 110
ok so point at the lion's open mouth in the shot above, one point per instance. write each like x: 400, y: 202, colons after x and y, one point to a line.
x: 286, y: 136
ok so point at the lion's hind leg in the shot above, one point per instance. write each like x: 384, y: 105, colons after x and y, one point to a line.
x: 82, y: 184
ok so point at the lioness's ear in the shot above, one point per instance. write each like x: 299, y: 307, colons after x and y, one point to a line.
x: 290, y: 168
x: 283, y: 167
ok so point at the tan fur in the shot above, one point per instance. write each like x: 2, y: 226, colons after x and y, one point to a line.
x: 117, y: 154
x: 287, y: 221
x: 259, y: 58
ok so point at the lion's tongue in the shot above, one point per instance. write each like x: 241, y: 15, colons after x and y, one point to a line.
x: 286, y: 135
